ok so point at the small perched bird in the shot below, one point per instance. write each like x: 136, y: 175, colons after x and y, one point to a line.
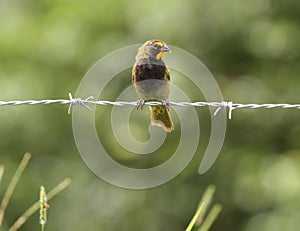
x: 151, y: 78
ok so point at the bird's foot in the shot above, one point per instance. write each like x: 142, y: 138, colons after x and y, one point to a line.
x: 140, y: 104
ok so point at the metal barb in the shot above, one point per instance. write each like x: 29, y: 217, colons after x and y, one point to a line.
x: 79, y: 102
x: 84, y: 102
x: 224, y: 104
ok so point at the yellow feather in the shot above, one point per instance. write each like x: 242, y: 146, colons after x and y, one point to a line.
x: 160, y: 55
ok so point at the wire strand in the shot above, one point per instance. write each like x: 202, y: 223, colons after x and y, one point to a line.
x: 88, y: 101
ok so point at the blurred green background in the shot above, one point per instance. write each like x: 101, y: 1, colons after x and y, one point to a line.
x: 251, y: 47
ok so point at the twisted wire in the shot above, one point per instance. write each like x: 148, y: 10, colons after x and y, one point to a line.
x: 88, y: 101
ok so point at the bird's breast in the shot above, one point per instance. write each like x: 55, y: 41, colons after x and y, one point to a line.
x: 146, y: 71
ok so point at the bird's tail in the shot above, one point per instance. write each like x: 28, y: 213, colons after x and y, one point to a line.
x: 161, y: 117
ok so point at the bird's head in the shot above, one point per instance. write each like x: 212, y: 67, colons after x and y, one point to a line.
x: 154, y: 49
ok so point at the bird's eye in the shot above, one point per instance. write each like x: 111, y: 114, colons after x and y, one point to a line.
x: 156, y: 46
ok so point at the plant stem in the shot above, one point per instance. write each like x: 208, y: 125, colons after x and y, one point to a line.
x: 211, y: 217
x: 1, y: 172
x: 22, y: 219
x: 12, y: 185
x: 195, y: 217
x: 202, y: 207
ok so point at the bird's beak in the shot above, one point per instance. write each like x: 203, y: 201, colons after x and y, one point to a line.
x: 165, y: 48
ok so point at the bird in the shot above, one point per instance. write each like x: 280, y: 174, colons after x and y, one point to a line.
x: 151, y: 78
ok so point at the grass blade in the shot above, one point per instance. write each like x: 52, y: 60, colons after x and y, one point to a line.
x: 211, y: 217
x: 35, y: 207
x: 1, y: 172
x: 12, y: 185
x: 202, y: 207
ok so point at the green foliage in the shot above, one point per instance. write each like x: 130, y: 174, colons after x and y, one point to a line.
x: 41, y: 204
x: 251, y: 47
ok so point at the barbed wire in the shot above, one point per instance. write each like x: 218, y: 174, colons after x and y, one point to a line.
x: 85, y: 103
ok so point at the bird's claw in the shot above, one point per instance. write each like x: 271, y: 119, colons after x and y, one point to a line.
x: 140, y: 104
